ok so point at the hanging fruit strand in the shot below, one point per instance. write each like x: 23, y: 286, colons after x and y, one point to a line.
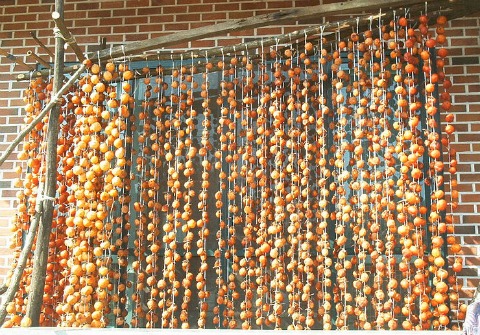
x: 219, y: 197
x: 203, y: 223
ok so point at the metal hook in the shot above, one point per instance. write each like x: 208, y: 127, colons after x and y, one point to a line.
x: 173, y: 61
x: 322, y: 29
x: 123, y: 51
x: 146, y: 60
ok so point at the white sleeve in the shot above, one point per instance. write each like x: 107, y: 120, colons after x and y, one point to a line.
x: 471, y: 318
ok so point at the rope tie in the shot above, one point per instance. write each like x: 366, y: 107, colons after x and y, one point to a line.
x: 45, y: 197
x: 58, y: 34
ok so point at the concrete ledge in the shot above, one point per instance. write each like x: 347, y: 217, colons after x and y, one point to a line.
x: 121, y: 331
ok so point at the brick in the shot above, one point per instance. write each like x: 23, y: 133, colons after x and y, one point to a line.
x: 187, y: 17
x: 100, y: 30
x: 161, y: 3
x: 472, y: 282
x: 203, y: 8
x: 471, y: 51
x: 112, y: 4
x: 203, y: 44
x: 137, y: 3
x: 42, y: 26
x: 472, y: 107
x: 14, y: 26
x: 12, y: 43
x: 465, y: 98
x: 277, y: 5
x: 21, y: 34
x: 253, y: 5
x: 239, y: 15
x: 180, y: 46
x: 453, y: 70
x: 195, y: 25
x: 174, y: 9
x: 121, y: 12
x: 464, y: 187
x: 88, y: 40
x: 465, y: 229
x: 100, y: 14
x: 465, y: 60
x: 215, y: 16
x: 86, y: 6
x: 464, y: 22
x: 40, y: 9
x: 249, y: 32
x: 226, y: 7
x: 229, y: 41
x: 135, y: 20
x: 176, y: 26
x: 22, y: 18
x: 135, y: 37
x: 13, y: 9
x: 152, y: 27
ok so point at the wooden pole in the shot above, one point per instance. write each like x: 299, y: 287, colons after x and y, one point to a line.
x: 446, y: 7
x: 39, y: 59
x: 289, y: 15
x: 14, y: 59
x: 40, y: 258
x: 12, y: 286
x: 45, y: 110
x: 40, y: 43
x: 67, y: 36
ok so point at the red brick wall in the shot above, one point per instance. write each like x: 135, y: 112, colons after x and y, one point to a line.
x: 133, y: 20
x: 464, y: 69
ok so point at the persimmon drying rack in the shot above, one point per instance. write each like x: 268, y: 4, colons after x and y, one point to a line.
x: 452, y: 9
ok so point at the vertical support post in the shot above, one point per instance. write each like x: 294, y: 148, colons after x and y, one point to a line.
x: 35, y: 298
